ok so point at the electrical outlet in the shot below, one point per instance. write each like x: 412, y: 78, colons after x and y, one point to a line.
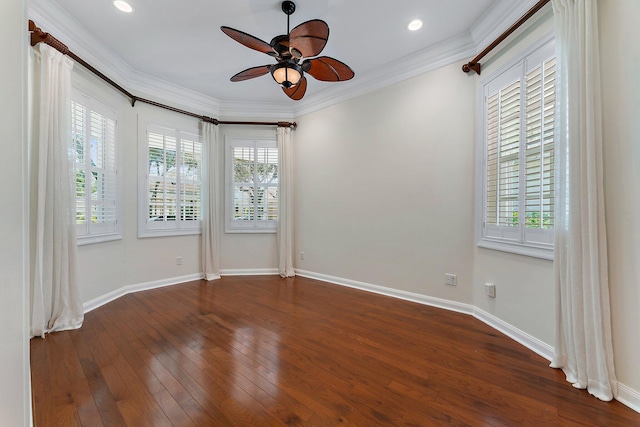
x: 302, y: 256
x: 450, y: 279
x: 179, y: 260
x: 490, y: 289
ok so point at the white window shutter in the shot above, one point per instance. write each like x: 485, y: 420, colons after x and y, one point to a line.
x: 94, y: 134
x: 518, y: 168
x: 252, y: 182
x: 173, y: 187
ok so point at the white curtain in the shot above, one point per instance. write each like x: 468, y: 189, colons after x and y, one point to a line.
x: 210, y: 232
x: 285, y: 203
x: 583, y: 337
x: 55, y: 299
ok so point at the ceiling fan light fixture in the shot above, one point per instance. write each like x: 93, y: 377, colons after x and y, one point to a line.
x: 287, y: 73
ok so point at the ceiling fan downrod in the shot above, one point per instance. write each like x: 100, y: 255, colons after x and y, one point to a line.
x: 288, y: 7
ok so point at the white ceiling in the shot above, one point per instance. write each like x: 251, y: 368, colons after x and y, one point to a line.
x: 177, y: 45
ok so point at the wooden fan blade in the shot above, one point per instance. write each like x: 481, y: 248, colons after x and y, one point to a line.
x: 328, y: 69
x: 297, y: 92
x: 309, y: 38
x: 251, y: 73
x: 249, y: 41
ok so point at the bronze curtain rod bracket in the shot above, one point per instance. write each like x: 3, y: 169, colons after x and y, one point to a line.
x: 287, y: 125
x: 472, y: 66
x: 37, y: 36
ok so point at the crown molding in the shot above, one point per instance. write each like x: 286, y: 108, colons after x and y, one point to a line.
x: 257, y: 110
x: 52, y: 18
x: 498, y: 19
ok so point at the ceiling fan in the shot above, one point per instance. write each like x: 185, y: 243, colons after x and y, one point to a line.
x: 293, y: 52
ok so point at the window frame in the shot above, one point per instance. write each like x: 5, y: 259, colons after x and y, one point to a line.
x: 89, y: 232
x: 178, y: 227
x: 521, y: 239
x: 255, y: 225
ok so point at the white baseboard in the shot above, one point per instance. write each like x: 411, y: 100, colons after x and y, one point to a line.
x: 532, y: 343
x: 248, y: 271
x: 628, y: 397
x: 396, y: 293
x: 102, y: 300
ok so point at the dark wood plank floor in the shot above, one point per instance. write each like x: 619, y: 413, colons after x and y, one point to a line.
x: 265, y: 351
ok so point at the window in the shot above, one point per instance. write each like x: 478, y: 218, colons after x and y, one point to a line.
x: 172, y: 182
x: 518, y: 155
x: 252, y: 185
x: 93, y: 128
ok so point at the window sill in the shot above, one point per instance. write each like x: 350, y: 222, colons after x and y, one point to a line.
x: 90, y: 240
x: 518, y: 248
x: 168, y: 233
x: 249, y: 231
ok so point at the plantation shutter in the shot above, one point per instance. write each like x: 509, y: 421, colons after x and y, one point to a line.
x: 503, y: 118
x: 93, y: 131
x: 491, y: 204
x: 267, y: 181
x: 539, y: 152
x: 253, y: 185
x: 508, y: 155
x: 518, y: 169
x: 174, y: 179
x: 103, y: 171
x: 78, y: 126
x: 190, y: 176
x: 161, y: 176
x: 540, y: 116
x: 243, y: 183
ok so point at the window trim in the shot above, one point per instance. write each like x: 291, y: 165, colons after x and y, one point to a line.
x: 95, y: 102
x: 521, y: 247
x: 255, y: 227
x: 181, y: 227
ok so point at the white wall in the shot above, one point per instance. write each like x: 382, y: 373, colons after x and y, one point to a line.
x: 15, y: 398
x: 620, y: 64
x: 384, y: 186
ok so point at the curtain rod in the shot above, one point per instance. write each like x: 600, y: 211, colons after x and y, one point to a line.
x: 38, y: 36
x: 475, y: 65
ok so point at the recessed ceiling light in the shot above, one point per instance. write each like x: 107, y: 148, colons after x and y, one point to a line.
x: 123, y: 6
x: 415, y: 25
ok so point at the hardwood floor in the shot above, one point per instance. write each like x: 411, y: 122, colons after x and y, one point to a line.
x: 266, y: 351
